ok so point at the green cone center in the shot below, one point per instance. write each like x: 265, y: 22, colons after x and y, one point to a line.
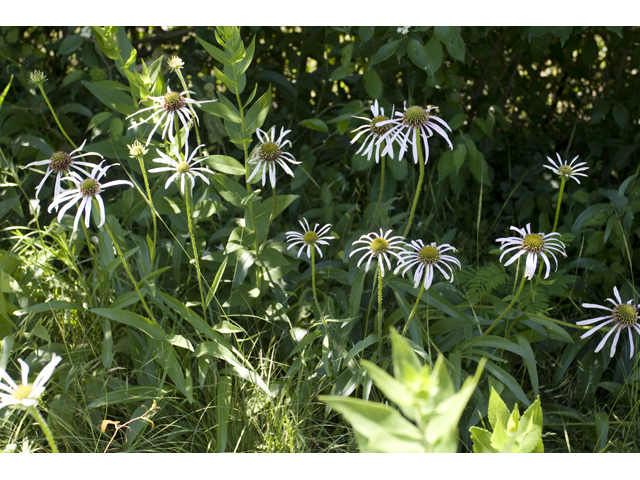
x: 533, y: 243
x: 428, y: 255
x: 565, y: 170
x: 269, y: 152
x: 625, y: 314
x: 23, y: 391
x: 379, y: 245
x: 380, y: 130
x: 310, y: 237
x: 172, y: 101
x: 89, y: 187
x: 415, y: 116
x: 60, y: 161
x: 183, y: 167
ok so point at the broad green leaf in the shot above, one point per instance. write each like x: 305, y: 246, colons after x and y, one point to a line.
x: 69, y: 45
x: 111, y: 97
x: 508, y: 381
x: 356, y: 293
x: 314, y: 124
x: 128, y: 395
x: 404, y: 358
x: 481, y: 440
x: 602, y: 210
x: 49, y: 307
x: 372, y: 83
x: 5, y: 91
x: 418, y: 55
x: 385, y: 52
x: 131, y: 319
x: 529, y: 433
x: 216, y: 53
x: 433, y: 50
x: 8, y: 283
x: 498, y: 411
x: 393, y: 389
x: 223, y: 111
x: 225, y: 164
x: 366, y: 33
x: 258, y: 112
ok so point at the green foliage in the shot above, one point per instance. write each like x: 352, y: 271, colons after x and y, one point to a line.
x: 510, y: 432
x: 430, y: 406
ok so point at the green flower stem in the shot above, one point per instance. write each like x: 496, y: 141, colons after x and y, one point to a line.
x: 46, y: 99
x: 417, y: 195
x: 315, y: 298
x: 375, y: 212
x: 563, y: 180
x: 271, y: 215
x: 379, y: 309
x: 184, y: 85
x: 187, y: 200
x: 126, y: 267
x: 486, y: 332
x: 413, y: 310
x: 150, y: 201
x: 35, y: 413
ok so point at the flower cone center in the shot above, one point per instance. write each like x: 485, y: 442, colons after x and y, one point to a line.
x: 172, y: 101
x: 310, y: 237
x: 23, y: 391
x: 533, y: 243
x: 60, y: 161
x: 428, y: 255
x: 379, y: 245
x: 625, y: 314
x: 565, y: 170
x: 379, y: 130
x: 89, y: 187
x: 183, y: 167
x: 415, y: 116
x: 269, y: 152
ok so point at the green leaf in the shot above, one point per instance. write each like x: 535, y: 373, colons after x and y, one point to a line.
x: 372, y: 83
x: 69, y: 45
x: 561, y: 33
x: 341, y: 72
x: 498, y: 411
x: 225, y: 164
x: 529, y: 432
x: 385, y: 52
x: 405, y: 362
x: 5, y: 91
x: 602, y: 431
x: 131, y: 319
x: 258, y: 112
x: 418, y: 54
x: 450, y: 36
x: 601, y: 210
x: 226, y: 112
x: 243, y: 64
x: 314, y: 124
x: 504, y: 344
x: 48, y: 307
x: 216, y: 282
x: 111, y: 97
x: 216, y: 53
x: 433, y: 49
x: 263, y: 212
x: 481, y: 440
x: 8, y: 283
x: 393, y: 389
x: 366, y: 33
x: 508, y: 381
x: 356, y: 293
x: 620, y: 114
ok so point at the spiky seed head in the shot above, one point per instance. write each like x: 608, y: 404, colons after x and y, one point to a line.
x: 175, y: 63
x: 626, y: 314
x: 137, y: 150
x: 415, y: 116
x: 269, y: 152
x: 379, y: 130
x: 37, y: 77
x: 60, y: 162
x: 379, y: 245
x: 533, y: 243
x: 172, y: 101
x: 23, y: 391
x: 428, y: 255
x: 565, y: 170
x: 89, y: 187
x: 183, y: 167
x: 310, y: 237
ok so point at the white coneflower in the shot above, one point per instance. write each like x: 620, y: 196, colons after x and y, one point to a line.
x: 309, y: 238
x: 168, y: 106
x: 374, y: 132
x: 624, y: 315
x: 412, y: 122
x: 60, y: 163
x: 175, y: 63
x: 268, y: 153
x: 379, y: 246
x: 532, y: 244
x: 427, y: 257
x: 86, y: 190
x: 26, y: 394
x: 567, y: 170
x: 183, y: 169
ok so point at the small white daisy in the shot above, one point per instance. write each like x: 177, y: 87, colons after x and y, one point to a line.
x: 182, y: 169
x: 268, y: 153
x: 403, y: 30
x: 309, y: 237
x: 61, y: 162
x: 168, y: 106
x: 374, y: 132
x: 26, y: 394
x: 379, y: 246
x: 533, y: 244
x: 412, y: 122
x: 427, y: 257
x: 625, y: 316
x: 567, y: 170
x: 86, y: 190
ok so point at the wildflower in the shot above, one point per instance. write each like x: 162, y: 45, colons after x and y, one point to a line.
x: 403, y: 30
x: 26, y: 394
x: 533, y: 244
x: 85, y: 32
x: 37, y: 77
x: 427, y: 257
x: 175, y: 63
x: 375, y: 131
x: 61, y: 162
x: 137, y: 150
x: 625, y: 316
x: 416, y: 120
x: 567, y: 170
x: 86, y: 190
x: 269, y: 152
x: 309, y: 237
x: 379, y: 246
x: 182, y: 169
x: 168, y: 106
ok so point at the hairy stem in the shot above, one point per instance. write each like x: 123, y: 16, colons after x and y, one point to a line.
x: 53, y: 112
x: 418, y: 187
x: 195, y: 250
x: 35, y: 413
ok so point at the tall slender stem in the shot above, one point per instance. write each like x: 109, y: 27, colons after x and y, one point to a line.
x: 126, y: 267
x: 375, y: 212
x: 184, y: 85
x: 35, y: 413
x: 150, y: 201
x: 413, y: 310
x: 418, y: 187
x: 195, y: 251
x: 379, y: 309
x: 486, y: 332
x: 563, y: 180
x: 271, y: 215
x: 53, y: 112
x: 313, y: 287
